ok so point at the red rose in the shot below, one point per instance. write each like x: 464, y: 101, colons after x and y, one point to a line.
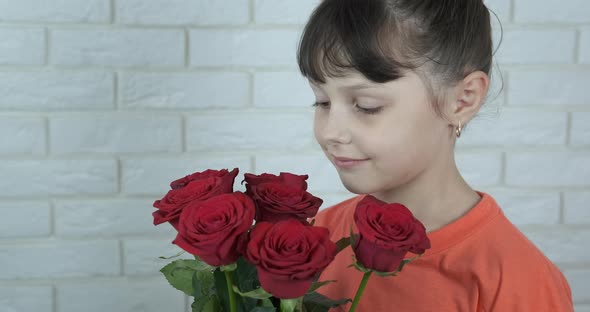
x: 284, y: 177
x: 276, y: 201
x: 197, y: 186
x: 386, y: 233
x: 224, y: 173
x: 289, y: 255
x: 281, y: 197
x: 215, y: 229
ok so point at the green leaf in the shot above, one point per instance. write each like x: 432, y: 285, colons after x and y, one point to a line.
x: 264, y: 309
x: 204, y: 292
x: 176, y: 255
x: 353, y: 238
x: 179, y: 274
x: 247, y: 276
x: 203, y: 283
x: 342, y: 243
x: 289, y: 305
x: 315, y: 302
x: 205, y: 304
x: 317, y: 285
x: 256, y: 293
x: 244, y: 304
x: 266, y: 303
x: 358, y: 265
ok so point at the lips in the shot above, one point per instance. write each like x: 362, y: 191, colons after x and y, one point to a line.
x: 348, y: 159
x: 347, y: 162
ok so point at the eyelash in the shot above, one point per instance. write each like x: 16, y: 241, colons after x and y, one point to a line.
x: 369, y: 111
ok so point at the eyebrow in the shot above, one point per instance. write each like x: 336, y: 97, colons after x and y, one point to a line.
x: 359, y: 86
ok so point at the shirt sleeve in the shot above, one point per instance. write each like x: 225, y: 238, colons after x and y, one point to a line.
x: 537, y: 288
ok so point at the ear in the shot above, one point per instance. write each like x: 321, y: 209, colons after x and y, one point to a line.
x: 467, y: 97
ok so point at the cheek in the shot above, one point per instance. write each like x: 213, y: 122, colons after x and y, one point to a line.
x: 317, y: 122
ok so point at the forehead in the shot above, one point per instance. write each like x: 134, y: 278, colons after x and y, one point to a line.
x: 355, y: 81
x: 351, y: 80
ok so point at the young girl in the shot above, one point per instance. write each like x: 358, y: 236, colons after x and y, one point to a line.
x: 396, y: 81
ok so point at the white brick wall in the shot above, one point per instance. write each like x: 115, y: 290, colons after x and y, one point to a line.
x: 104, y: 102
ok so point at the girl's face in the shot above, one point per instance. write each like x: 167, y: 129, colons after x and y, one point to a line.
x: 390, y: 129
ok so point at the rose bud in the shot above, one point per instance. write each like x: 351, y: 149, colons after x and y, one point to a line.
x: 276, y: 201
x: 195, y: 187
x: 284, y: 178
x: 386, y: 233
x: 289, y: 255
x: 215, y: 229
x: 228, y: 178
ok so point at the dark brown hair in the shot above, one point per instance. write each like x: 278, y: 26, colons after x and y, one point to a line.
x: 440, y: 40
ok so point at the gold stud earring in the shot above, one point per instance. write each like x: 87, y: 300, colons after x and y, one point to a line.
x: 458, y: 130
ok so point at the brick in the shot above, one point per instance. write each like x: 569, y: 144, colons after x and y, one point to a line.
x: 560, y: 244
x: 184, y: 90
x: 537, y: 47
x: 549, y: 11
x: 62, y: 11
x: 217, y: 47
x: 584, y: 52
x: 579, y: 281
x: 580, y: 132
x: 525, y: 207
x: 146, y: 295
x: 249, y: 131
x: 106, y: 218
x: 152, y: 176
x: 25, y: 219
x: 516, y: 128
x: 582, y: 307
x: 576, y: 207
x: 323, y: 177
x: 56, y: 90
x: 283, y: 11
x: 142, y: 255
x: 118, y: 47
x: 538, y: 87
x: 500, y: 8
x: 57, y: 177
x: 480, y: 169
x: 555, y: 169
x: 25, y: 298
x: 282, y: 89
x: 24, y: 46
x: 182, y: 12
x: 60, y: 259
x: 22, y: 135
x: 115, y: 133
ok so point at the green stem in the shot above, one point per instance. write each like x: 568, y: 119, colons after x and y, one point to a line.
x: 291, y: 305
x: 360, y: 291
x: 230, y: 291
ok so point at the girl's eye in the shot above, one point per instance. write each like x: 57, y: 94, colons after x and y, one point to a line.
x: 369, y: 111
x: 321, y: 104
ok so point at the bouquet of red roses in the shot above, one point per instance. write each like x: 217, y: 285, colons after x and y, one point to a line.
x: 257, y: 251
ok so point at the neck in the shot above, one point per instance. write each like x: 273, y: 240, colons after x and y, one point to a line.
x: 436, y: 197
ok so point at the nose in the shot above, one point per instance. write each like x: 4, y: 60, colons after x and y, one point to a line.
x: 335, y: 129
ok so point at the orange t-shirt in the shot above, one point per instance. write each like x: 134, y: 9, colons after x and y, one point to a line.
x: 480, y: 262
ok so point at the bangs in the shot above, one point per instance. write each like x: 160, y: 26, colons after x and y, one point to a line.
x: 351, y: 35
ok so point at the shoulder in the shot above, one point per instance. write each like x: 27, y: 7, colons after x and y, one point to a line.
x: 514, y: 273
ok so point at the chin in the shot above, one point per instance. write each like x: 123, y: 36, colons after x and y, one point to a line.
x: 356, y: 188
